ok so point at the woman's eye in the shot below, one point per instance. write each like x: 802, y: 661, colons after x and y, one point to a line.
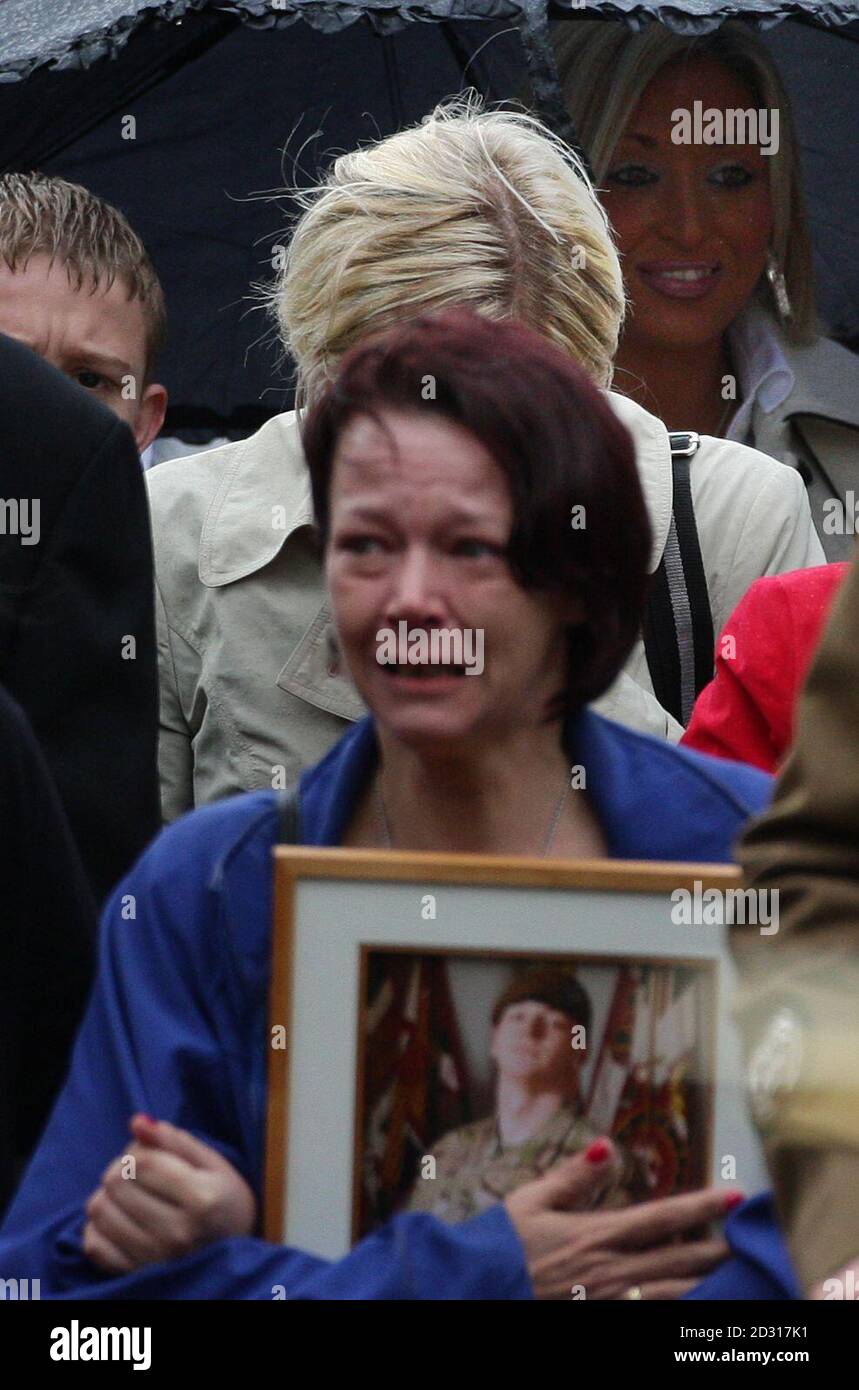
x: 731, y: 176
x: 476, y: 550
x: 360, y: 545
x: 632, y: 176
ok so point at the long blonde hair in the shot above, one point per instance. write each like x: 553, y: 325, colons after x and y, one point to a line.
x: 471, y: 207
x: 604, y: 68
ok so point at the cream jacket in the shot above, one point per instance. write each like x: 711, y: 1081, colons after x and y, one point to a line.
x: 816, y: 431
x: 250, y: 690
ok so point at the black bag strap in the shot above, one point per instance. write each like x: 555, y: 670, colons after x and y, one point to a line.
x: 287, y: 813
x: 678, y: 625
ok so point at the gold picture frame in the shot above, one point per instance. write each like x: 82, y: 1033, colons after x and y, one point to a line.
x: 334, y: 907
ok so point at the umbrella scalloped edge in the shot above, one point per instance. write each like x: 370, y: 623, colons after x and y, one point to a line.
x: 387, y: 16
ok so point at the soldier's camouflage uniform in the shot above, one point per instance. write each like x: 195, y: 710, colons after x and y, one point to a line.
x: 473, y: 1171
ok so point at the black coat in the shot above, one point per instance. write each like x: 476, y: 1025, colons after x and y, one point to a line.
x: 47, y: 931
x: 70, y: 602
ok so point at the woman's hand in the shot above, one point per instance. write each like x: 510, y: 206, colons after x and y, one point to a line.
x: 605, y: 1254
x: 176, y: 1195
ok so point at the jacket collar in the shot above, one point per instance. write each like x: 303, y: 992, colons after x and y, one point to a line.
x: 653, y: 456
x: 264, y: 494
x: 766, y: 376
x: 262, y: 498
x: 824, y: 373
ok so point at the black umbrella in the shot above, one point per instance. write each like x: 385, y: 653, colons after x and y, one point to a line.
x: 216, y: 90
x: 214, y: 102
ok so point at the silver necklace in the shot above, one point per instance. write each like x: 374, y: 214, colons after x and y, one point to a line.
x: 550, y: 833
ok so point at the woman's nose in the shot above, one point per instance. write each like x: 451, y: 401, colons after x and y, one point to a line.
x: 416, y: 589
x: 685, y: 214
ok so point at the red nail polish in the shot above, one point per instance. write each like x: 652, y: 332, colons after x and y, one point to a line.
x: 598, y: 1151
x: 733, y: 1199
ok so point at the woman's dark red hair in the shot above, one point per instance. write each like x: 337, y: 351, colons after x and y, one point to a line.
x: 555, y: 438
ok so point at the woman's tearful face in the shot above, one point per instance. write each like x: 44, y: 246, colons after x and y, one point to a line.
x: 440, y: 639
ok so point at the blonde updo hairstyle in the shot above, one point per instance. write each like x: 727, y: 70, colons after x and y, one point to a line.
x: 605, y: 67
x: 471, y: 207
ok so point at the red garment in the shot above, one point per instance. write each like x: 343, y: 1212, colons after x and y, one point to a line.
x: 762, y: 658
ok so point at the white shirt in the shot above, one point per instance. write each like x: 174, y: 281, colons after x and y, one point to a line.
x: 763, y: 372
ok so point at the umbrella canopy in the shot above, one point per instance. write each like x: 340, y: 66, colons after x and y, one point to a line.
x: 223, y: 112
x: 73, y: 32
x: 229, y: 100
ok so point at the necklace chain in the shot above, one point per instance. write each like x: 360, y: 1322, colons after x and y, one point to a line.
x: 550, y: 833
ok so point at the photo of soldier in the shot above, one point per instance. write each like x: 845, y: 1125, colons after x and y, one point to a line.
x: 540, y: 1027
x: 480, y: 1075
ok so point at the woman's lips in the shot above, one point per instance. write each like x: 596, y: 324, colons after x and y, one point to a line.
x: 681, y: 279
x: 427, y: 680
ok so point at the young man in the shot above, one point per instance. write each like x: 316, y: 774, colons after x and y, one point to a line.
x: 77, y: 644
x: 77, y: 286
x: 537, y: 1119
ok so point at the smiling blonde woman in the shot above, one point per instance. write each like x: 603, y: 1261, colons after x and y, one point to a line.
x: 723, y: 334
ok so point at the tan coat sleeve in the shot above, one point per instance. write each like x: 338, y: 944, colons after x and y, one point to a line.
x: 175, y: 749
x: 764, y: 527
x: 798, y: 1002
x: 627, y: 702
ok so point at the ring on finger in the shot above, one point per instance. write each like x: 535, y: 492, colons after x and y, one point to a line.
x: 633, y: 1293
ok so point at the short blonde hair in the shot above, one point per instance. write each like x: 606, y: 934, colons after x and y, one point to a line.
x: 470, y: 207
x: 41, y: 214
x: 605, y: 67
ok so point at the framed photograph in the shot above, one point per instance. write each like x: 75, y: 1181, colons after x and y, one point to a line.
x: 444, y: 1028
